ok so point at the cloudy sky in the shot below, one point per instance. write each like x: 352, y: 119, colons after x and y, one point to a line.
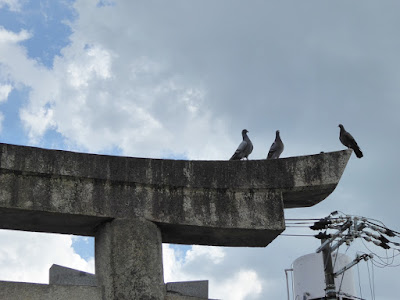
x: 181, y: 79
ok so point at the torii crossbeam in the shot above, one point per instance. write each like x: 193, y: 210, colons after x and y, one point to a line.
x: 132, y: 205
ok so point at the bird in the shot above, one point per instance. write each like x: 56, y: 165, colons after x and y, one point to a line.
x: 244, y: 149
x: 347, y: 139
x: 276, y: 148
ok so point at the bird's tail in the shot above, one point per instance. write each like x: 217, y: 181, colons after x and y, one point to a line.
x: 358, y: 152
x: 234, y: 157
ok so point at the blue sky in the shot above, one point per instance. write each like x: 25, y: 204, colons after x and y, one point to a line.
x: 181, y: 80
x: 46, y: 20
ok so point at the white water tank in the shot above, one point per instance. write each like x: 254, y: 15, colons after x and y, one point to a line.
x: 309, y: 277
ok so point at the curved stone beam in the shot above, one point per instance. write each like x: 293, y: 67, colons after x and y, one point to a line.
x: 230, y: 203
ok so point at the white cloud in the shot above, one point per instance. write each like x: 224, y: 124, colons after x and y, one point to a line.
x: 178, y: 79
x: 245, y: 284
x: 99, y: 95
x: 11, y: 37
x: 214, y: 254
x: 4, y: 92
x: 13, y: 5
x: 24, y: 71
x: 1, y: 121
x: 94, y: 63
x: 209, y: 263
x: 38, y: 120
x: 197, y: 261
x: 28, y: 257
x: 172, y: 264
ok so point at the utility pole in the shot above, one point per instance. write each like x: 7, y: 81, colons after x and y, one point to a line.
x: 326, y: 239
x: 330, y: 290
x: 356, y: 227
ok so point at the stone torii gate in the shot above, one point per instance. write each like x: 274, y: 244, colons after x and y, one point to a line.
x: 132, y: 205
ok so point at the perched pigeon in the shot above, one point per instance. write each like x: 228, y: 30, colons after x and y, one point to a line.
x: 244, y: 149
x: 276, y: 148
x: 348, y: 140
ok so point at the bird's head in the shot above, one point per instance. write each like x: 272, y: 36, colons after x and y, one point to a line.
x: 341, y: 126
x: 244, y: 131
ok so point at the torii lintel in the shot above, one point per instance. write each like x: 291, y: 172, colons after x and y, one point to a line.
x: 132, y: 205
x: 227, y: 203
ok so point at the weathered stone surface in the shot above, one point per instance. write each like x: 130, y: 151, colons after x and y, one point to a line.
x: 66, y: 276
x: 129, y: 260
x: 232, y: 203
x: 177, y: 296
x: 60, y: 275
x: 197, y: 289
x: 31, y: 291
x: 34, y: 291
x: 131, y: 205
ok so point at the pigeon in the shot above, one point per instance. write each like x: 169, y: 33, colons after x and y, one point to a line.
x: 276, y: 148
x: 244, y: 149
x: 348, y: 140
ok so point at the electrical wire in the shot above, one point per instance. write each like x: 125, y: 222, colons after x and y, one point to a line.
x: 370, y: 285
x: 299, y: 221
x: 341, y: 280
x: 379, y: 264
x: 369, y: 221
x: 383, y: 226
x: 382, y: 263
x: 387, y: 263
x: 336, y: 257
x: 308, y: 235
x: 302, y: 219
x: 377, y: 233
x: 352, y: 297
x: 373, y: 278
x: 359, y: 280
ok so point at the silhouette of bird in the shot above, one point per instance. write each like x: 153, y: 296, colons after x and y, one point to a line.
x: 244, y: 149
x: 347, y: 139
x: 276, y: 148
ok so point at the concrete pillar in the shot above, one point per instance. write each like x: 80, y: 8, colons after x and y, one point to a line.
x: 128, y: 256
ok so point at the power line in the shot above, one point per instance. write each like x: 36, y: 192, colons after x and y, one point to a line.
x: 348, y: 229
x: 308, y: 235
x: 370, y: 285
x: 359, y: 280
x: 301, y: 219
x: 337, y: 229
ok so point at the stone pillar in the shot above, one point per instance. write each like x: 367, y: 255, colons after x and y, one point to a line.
x: 128, y: 256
